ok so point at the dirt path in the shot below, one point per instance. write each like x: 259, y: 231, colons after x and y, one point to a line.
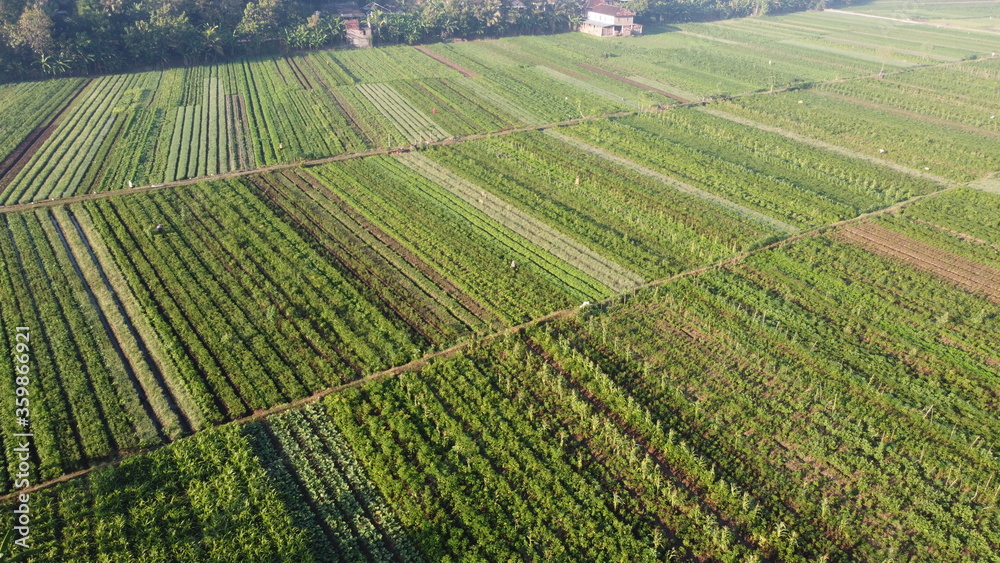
x: 630, y: 82
x: 446, y: 62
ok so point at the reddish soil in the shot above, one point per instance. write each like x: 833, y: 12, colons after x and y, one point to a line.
x: 448, y: 63
x: 964, y: 273
x: 630, y: 82
x: 19, y: 158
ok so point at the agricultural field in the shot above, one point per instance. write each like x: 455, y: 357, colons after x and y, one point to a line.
x: 983, y: 14
x: 29, y: 110
x: 235, y: 493
x: 788, y: 181
x: 515, y: 299
x: 429, y: 303
x: 96, y: 396
x: 941, y: 119
x: 699, y: 61
x: 164, y: 126
x: 162, y: 314
x: 150, y: 128
x: 621, y: 214
x: 460, y: 241
x: 609, y: 433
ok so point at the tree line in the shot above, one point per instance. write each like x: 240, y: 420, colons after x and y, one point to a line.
x: 41, y: 38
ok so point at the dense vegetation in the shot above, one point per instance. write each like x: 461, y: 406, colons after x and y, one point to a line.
x: 611, y: 433
x: 56, y: 37
x: 505, y: 299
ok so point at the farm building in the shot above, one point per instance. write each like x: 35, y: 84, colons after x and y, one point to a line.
x: 358, y: 33
x: 605, y: 20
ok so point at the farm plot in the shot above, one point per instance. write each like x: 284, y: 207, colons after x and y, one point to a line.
x: 287, y: 121
x: 387, y: 64
x: 618, y: 222
x: 962, y: 113
x: 70, y: 159
x: 201, y: 142
x: 967, y: 214
x: 250, y: 315
x: 182, y: 503
x: 412, y: 123
x: 848, y: 50
x: 510, y: 276
x: 891, y: 37
x: 965, y: 274
x: 498, y: 454
x: 602, y: 269
x: 760, y: 170
x: 454, y: 106
x: 92, y: 395
x: 955, y: 153
x: 429, y: 303
x: 860, y: 390
x: 28, y: 119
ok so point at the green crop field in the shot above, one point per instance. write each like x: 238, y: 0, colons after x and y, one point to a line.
x: 728, y: 291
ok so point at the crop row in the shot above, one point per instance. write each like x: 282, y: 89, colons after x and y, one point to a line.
x: 814, y: 401
x: 966, y: 274
x: 410, y: 121
x: 461, y: 243
x: 604, y: 270
x: 83, y: 406
x: 244, y: 306
x: 410, y: 289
